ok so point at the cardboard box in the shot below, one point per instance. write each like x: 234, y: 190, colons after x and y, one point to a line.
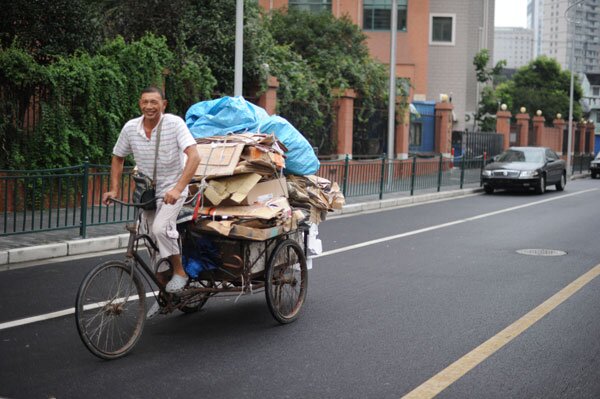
x: 265, y: 191
x: 218, y: 159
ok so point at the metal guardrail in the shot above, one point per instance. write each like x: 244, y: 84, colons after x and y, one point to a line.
x: 66, y: 198
x: 57, y: 199
x: 382, y: 176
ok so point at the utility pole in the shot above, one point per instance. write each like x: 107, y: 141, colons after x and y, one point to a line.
x: 239, y: 47
x: 392, y: 90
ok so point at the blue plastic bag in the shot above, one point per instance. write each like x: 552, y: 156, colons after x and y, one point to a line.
x: 200, y: 254
x: 234, y: 114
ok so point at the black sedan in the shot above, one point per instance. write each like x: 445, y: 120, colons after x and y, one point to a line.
x: 525, y: 168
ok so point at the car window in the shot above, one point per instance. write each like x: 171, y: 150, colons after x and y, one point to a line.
x: 598, y: 155
x: 551, y: 155
x: 521, y: 156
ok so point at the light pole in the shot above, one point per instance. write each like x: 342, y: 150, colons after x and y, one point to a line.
x: 570, y: 128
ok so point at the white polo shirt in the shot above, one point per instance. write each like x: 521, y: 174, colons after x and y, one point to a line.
x: 175, y: 137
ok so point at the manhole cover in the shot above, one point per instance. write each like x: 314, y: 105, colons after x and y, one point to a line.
x: 541, y: 252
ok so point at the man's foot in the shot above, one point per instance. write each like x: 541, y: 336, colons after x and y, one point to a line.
x: 177, y: 284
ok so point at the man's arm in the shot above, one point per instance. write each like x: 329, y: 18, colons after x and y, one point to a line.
x: 191, y: 165
x: 116, y: 170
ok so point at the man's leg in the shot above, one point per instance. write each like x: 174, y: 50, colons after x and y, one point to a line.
x: 165, y: 231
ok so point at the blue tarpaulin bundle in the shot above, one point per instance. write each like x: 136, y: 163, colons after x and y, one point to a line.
x: 236, y: 115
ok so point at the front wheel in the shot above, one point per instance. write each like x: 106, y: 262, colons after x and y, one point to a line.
x: 286, y: 281
x: 541, y: 187
x: 560, y: 186
x: 488, y: 189
x: 110, y: 309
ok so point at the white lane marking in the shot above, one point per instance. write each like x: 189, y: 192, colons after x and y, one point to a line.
x: 60, y: 313
x: 443, y: 225
x: 65, y: 312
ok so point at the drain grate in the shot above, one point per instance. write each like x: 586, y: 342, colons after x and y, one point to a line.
x: 541, y: 252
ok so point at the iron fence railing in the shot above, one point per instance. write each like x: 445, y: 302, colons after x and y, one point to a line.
x: 56, y: 199
x: 66, y: 198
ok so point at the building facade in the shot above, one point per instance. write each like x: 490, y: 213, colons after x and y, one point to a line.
x: 559, y: 33
x: 514, y: 45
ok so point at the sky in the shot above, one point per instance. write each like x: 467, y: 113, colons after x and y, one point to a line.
x: 511, y: 13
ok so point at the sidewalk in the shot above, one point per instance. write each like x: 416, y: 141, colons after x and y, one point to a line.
x: 21, y: 248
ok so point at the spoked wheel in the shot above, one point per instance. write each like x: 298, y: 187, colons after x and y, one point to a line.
x: 110, y: 310
x: 286, y: 281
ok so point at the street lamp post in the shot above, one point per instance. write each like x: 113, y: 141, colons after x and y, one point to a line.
x: 570, y: 127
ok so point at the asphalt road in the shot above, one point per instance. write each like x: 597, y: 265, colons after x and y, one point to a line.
x: 398, y: 297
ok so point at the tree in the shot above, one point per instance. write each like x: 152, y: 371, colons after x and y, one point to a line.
x: 543, y: 85
x: 49, y: 28
x: 488, y: 103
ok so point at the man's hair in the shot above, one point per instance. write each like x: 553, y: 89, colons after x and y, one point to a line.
x: 153, y: 89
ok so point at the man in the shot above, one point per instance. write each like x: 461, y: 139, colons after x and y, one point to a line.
x: 174, y: 171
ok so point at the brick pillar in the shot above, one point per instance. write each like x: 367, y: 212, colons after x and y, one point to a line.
x: 591, y: 128
x: 560, y: 125
x: 538, y: 130
x: 268, y: 100
x: 401, y: 136
x: 523, y: 123
x: 503, y: 126
x: 344, y: 121
x: 443, y: 128
x: 581, y: 126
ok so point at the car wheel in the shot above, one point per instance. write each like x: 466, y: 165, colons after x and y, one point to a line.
x: 488, y: 189
x: 594, y: 175
x: 541, y: 187
x: 560, y: 186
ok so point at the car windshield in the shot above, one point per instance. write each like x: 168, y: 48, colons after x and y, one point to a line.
x: 521, y: 156
x: 598, y: 155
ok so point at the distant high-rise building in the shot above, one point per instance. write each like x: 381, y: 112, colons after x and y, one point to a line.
x: 534, y: 22
x: 515, y: 45
x: 557, y: 34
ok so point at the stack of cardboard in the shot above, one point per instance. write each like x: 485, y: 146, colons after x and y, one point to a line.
x: 244, y: 190
x: 314, y: 194
x: 245, y: 194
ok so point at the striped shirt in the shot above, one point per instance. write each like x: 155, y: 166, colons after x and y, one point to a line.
x: 175, y: 137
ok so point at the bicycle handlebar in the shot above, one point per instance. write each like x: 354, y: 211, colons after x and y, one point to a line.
x: 138, y: 204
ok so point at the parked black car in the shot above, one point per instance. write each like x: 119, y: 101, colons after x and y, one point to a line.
x: 595, y: 166
x: 525, y: 168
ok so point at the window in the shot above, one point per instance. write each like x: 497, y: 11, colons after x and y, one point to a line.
x: 310, y: 5
x: 415, y: 134
x: 376, y: 14
x: 442, y: 29
x: 596, y: 91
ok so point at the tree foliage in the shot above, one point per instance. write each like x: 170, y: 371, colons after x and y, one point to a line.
x: 49, y: 28
x: 543, y: 85
x: 488, y: 103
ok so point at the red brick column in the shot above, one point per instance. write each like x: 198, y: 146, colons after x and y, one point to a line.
x: 591, y: 131
x: 268, y: 100
x: 401, y: 136
x: 344, y: 121
x: 581, y: 126
x: 443, y: 128
x: 503, y: 126
x: 523, y: 123
x: 560, y: 125
x: 538, y: 130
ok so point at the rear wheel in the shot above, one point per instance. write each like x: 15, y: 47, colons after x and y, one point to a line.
x: 560, y: 186
x: 110, y: 309
x: 286, y: 281
x: 541, y: 187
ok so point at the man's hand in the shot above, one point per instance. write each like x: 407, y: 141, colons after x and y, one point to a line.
x: 172, y: 196
x: 107, y: 196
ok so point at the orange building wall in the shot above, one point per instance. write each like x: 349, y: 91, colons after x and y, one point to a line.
x: 411, y: 46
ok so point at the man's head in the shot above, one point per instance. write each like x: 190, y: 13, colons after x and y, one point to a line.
x: 152, y: 103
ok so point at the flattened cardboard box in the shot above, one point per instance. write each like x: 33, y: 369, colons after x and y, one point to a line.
x: 265, y: 191
x: 218, y: 159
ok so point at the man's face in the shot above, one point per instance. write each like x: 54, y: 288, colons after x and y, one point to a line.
x: 152, y: 105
